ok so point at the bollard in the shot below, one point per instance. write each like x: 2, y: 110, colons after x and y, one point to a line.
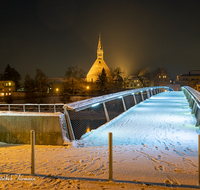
x: 110, y: 157
x: 32, y: 152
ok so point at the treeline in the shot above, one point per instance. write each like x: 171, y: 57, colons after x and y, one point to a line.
x: 75, y: 82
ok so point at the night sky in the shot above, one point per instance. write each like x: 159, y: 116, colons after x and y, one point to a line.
x: 53, y: 35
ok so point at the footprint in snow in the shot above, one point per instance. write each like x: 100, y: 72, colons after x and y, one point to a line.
x: 156, y: 147
x: 159, y: 168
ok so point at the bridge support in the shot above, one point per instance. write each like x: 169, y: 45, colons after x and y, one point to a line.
x: 151, y: 92
x: 194, y: 108
x: 124, y: 105
x: 69, y: 125
x: 142, y: 96
x: 147, y: 94
x: 106, y: 112
x: 134, y: 99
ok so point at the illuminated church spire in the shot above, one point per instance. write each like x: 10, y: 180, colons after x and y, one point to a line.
x: 100, y: 49
x: 98, y: 65
x: 99, y: 44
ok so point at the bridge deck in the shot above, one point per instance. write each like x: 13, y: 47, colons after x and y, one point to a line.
x: 156, y: 139
x: 163, y: 119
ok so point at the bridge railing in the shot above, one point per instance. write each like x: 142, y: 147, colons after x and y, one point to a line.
x: 89, y: 114
x: 193, y: 97
x: 32, y: 107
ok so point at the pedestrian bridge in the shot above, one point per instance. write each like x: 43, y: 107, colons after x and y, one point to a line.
x: 89, y: 114
x: 75, y: 121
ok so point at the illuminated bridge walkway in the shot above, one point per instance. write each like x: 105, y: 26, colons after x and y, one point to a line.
x: 163, y: 119
x: 160, y: 118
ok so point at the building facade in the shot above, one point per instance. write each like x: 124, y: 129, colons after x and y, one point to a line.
x: 133, y: 82
x: 161, y: 79
x: 98, y: 65
x: 6, y: 88
x: 191, y: 79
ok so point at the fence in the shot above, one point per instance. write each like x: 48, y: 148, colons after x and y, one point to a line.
x: 193, y: 98
x: 89, y: 114
x: 32, y: 107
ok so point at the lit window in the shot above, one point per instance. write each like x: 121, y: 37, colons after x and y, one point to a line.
x: 159, y: 76
x: 9, y: 94
x: 9, y: 89
x: 9, y: 83
x: 6, y: 94
x: 138, y: 84
x: 2, y: 94
x: 164, y: 76
x: 6, y: 84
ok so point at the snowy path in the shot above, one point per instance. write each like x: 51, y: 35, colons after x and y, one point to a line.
x: 156, y: 139
x: 154, y: 142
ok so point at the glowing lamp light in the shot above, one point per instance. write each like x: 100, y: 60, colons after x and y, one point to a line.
x: 57, y: 89
x: 88, y: 129
x: 133, y: 93
x: 95, y: 104
x: 87, y: 87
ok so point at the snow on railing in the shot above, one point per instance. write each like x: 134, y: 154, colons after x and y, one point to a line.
x: 94, y: 112
x: 32, y: 107
x: 193, y: 97
x: 80, y: 105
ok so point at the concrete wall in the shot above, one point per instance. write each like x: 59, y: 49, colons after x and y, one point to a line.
x: 15, y: 128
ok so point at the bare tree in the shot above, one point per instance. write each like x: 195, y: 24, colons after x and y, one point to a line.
x: 75, y: 78
x: 40, y: 82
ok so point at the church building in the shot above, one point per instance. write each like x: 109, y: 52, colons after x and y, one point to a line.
x: 98, y: 65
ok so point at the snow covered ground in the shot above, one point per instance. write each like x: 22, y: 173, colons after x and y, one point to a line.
x: 155, y: 146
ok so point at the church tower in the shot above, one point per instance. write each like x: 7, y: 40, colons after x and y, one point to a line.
x: 98, y: 65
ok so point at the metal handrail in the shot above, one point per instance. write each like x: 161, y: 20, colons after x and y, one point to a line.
x: 84, y: 104
x: 193, y: 92
x: 25, y: 107
x: 193, y: 97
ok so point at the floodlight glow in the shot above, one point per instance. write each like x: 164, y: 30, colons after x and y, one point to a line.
x: 95, y: 104
x: 120, y: 97
x: 141, y: 91
x: 133, y: 93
